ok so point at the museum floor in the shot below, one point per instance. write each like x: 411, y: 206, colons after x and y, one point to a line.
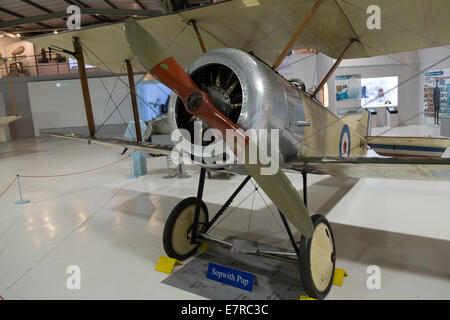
x: 111, y: 227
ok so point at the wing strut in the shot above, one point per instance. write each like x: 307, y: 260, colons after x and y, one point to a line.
x: 199, y: 36
x: 134, y: 104
x: 334, y: 67
x: 84, y: 85
x: 302, y: 26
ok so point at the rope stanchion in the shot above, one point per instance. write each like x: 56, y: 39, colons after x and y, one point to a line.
x: 21, y: 200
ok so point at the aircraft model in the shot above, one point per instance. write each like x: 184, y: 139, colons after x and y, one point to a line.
x: 232, y: 89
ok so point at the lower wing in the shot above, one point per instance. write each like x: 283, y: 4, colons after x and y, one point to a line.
x: 432, y: 169
x: 384, y: 168
x: 154, y: 149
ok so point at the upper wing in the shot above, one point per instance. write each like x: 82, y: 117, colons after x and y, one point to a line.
x: 384, y: 168
x: 154, y: 149
x: 265, y: 27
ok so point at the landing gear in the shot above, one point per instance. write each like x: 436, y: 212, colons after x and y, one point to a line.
x: 178, y: 231
x: 317, y: 259
x: 188, y: 224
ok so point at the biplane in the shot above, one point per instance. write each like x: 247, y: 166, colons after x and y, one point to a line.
x: 220, y: 60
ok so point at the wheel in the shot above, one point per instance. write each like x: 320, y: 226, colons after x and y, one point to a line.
x: 177, y: 231
x: 318, y: 259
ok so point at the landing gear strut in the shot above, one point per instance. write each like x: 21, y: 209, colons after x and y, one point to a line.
x: 188, y: 224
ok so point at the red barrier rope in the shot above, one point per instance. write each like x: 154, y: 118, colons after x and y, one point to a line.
x: 8, y: 187
x: 62, y: 175
x: 77, y: 173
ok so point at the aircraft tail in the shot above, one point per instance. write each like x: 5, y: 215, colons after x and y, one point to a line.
x: 330, y: 135
x: 409, y: 146
x: 359, y: 123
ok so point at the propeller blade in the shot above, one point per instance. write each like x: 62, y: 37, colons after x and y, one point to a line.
x: 171, y: 74
x: 198, y: 103
x: 147, y: 50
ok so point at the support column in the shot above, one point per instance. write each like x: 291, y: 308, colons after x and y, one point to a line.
x: 302, y: 26
x: 84, y: 85
x: 11, y: 92
x: 134, y: 104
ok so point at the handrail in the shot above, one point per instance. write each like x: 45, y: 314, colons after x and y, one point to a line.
x: 50, y: 63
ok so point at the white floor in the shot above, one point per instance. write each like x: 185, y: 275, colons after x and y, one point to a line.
x: 111, y: 227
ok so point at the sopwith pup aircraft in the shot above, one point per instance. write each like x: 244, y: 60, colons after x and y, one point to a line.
x: 223, y: 73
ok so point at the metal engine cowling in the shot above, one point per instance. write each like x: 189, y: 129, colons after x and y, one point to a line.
x: 249, y: 93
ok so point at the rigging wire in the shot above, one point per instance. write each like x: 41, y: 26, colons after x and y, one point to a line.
x: 109, y: 69
x: 110, y: 95
x: 271, y: 212
x: 177, y: 36
x: 118, y: 110
x: 251, y: 213
x: 234, y: 209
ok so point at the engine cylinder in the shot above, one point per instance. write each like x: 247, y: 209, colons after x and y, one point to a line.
x: 249, y: 93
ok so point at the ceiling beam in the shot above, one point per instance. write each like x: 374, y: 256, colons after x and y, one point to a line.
x: 169, y: 5
x: 12, y: 13
x: 18, y: 15
x: 34, y: 19
x: 139, y: 3
x: 37, y: 6
x: 90, y: 11
x: 83, y: 5
x: 162, y: 6
x: 112, y: 5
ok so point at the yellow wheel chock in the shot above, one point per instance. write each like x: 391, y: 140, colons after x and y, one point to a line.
x: 203, y: 247
x: 304, y: 298
x: 166, y: 264
x: 338, y: 279
x: 339, y: 275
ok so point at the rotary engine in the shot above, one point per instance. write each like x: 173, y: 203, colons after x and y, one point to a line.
x: 249, y: 93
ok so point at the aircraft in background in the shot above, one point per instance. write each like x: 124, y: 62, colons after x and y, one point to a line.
x: 4, y: 121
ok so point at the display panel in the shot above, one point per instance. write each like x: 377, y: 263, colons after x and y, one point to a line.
x: 348, y: 87
x: 379, y: 92
x: 441, y: 80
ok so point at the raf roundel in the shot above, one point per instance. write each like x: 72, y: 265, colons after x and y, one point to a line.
x: 344, y: 144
